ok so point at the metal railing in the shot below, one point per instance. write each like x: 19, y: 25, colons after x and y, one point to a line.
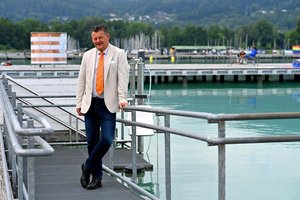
x: 18, y: 135
x: 50, y: 103
x: 220, y: 140
x: 68, y: 125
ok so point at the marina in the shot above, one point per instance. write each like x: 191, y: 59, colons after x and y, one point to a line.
x: 211, y: 112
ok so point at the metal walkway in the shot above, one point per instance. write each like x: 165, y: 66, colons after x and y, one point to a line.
x: 57, y: 177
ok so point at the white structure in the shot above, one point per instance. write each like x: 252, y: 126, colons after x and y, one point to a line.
x: 48, y: 48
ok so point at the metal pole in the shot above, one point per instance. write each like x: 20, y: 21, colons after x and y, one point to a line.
x: 77, y: 128
x: 13, y: 100
x: 140, y: 90
x: 13, y: 155
x: 168, y: 159
x: 112, y: 152
x: 14, y: 158
x: 20, y: 178
x: 140, y: 81
x: 133, y: 146
x: 30, y: 165
x: 70, y: 131
x: 221, y: 161
x: 132, y: 81
x: 122, y: 129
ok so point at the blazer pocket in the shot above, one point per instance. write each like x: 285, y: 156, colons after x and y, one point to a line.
x: 113, y: 64
x: 113, y: 68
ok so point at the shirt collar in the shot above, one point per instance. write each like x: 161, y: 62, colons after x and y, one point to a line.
x: 105, y: 51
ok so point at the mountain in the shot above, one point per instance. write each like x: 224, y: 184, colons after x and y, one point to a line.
x: 230, y: 13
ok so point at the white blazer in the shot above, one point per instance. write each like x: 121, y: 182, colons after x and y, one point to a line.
x: 116, y: 78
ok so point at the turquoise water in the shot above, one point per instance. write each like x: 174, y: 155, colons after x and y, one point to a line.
x: 253, y: 171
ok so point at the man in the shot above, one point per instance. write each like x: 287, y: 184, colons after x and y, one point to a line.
x: 246, y: 57
x: 252, y: 54
x: 101, y: 91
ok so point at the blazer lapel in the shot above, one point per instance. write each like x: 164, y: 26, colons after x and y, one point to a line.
x: 108, y: 60
x: 92, y: 63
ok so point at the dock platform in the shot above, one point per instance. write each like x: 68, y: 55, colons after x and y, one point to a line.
x: 57, y: 177
x: 231, y: 72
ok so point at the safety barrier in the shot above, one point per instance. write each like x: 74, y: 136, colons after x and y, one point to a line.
x: 220, y: 140
x: 19, y: 131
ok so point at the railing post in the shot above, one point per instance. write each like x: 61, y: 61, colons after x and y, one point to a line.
x: 112, y: 151
x: 70, y: 131
x: 122, y: 128
x: 221, y: 161
x: 77, y: 128
x: 19, y: 158
x: 5, y: 81
x: 140, y: 101
x: 20, y: 177
x: 13, y: 100
x: 14, y: 158
x: 168, y: 159
x: 132, y: 80
x: 133, y: 146
x: 30, y: 165
x: 140, y: 81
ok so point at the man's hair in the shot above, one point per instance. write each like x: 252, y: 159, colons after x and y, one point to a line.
x: 98, y: 28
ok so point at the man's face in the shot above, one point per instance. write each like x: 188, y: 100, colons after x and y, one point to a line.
x: 100, y: 40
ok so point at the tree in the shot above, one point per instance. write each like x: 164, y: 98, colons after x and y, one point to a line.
x: 30, y: 25
x: 264, y: 32
x: 294, y: 36
x: 194, y: 35
x: 6, y: 31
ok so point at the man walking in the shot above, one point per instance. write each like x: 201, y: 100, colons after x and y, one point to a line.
x: 101, y: 91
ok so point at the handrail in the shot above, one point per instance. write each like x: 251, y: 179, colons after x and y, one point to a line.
x: 254, y: 116
x: 17, y: 127
x: 36, y: 107
x: 215, y: 118
x: 21, y: 98
x: 37, y: 95
x: 220, y: 140
x: 139, y: 189
x: 13, y: 132
x: 8, y: 189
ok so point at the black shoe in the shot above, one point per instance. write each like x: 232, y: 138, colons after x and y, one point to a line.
x: 85, y: 177
x: 96, y: 183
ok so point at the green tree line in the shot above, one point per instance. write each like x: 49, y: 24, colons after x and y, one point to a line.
x: 232, y: 13
x: 262, y: 33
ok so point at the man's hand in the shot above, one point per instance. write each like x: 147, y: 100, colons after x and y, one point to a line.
x: 122, y: 105
x: 78, y: 110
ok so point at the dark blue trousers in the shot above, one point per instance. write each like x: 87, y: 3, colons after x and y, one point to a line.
x: 100, y: 127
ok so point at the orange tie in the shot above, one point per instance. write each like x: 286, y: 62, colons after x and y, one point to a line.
x: 100, y: 74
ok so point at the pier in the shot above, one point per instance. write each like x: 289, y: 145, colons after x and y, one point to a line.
x: 155, y: 73
x: 158, y: 58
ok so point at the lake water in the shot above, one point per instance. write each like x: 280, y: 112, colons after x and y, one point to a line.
x: 253, y: 171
